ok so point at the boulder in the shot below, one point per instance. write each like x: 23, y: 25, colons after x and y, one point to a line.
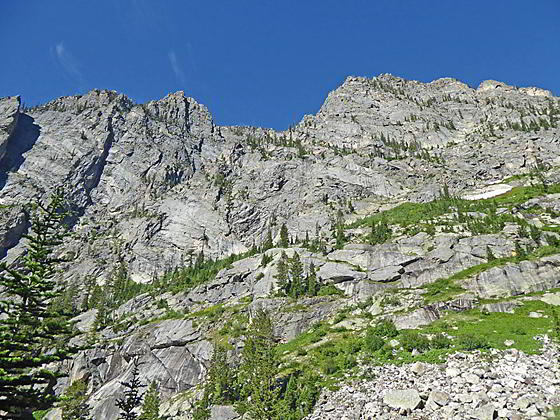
x: 402, y: 399
x: 333, y: 272
x: 386, y: 274
x: 223, y: 412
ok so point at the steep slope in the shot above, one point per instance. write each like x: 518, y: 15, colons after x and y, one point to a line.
x: 155, y: 185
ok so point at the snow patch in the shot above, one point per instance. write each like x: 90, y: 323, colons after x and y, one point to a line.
x: 488, y: 192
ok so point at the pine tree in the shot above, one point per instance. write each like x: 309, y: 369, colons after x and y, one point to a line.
x: 300, y: 396
x: 312, y: 286
x: 150, y: 406
x: 221, y: 377
x: 489, y: 254
x: 265, y: 259
x: 305, y: 243
x: 289, y: 402
x: 296, y: 276
x: 283, y: 275
x: 132, y: 396
x: 31, y: 333
x: 284, y: 239
x: 220, y: 387
x: 259, y: 368
x: 267, y: 244
x: 340, y: 238
x: 380, y: 232
x: 199, y: 260
x: 73, y: 402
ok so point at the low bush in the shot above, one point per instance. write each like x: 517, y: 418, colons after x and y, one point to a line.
x: 473, y: 342
x: 440, y: 341
x: 411, y: 340
x: 373, y: 342
x: 385, y: 328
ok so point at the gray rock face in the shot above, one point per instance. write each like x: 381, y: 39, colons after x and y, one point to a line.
x: 160, y: 181
x: 223, y: 412
x: 515, y: 279
x: 338, y: 273
x: 417, y: 318
x: 9, y: 112
x: 13, y: 224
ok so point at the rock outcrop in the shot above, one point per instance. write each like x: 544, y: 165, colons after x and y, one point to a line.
x: 9, y: 113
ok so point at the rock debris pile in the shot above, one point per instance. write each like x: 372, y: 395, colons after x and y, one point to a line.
x: 505, y: 384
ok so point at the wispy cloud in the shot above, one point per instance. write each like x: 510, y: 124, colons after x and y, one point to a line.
x: 67, y: 61
x: 179, y: 74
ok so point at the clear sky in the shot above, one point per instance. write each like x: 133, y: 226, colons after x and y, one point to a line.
x: 269, y: 62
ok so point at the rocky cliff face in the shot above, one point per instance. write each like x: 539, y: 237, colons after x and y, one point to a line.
x: 152, y: 185
x: 160, y: 181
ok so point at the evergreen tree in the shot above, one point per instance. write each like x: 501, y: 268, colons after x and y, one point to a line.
x: 267, y: 244
x: 221, y: 377
x: 300, y: 396
x: 289, y: 402
x: 380, y: 232
x: 520, y: 252
x: 489, y: 254
x: 305, y: 243
x: 132, y: 396
x: 150, y: 406
x: 265, y: 259
x: 199, y: 262
x: 73, y: 402
x: 89, y: 282
x: 259, y: 368
x: 31, y: 333
x: 296, y: 276
x: 283, y: 274
x: 284, y: 239
x: 340, y: 238
x: 220, y: 387
x: 121, y: 286
x: 312, y: 285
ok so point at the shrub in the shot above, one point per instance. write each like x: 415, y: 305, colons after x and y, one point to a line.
x: 386, y: 328
x: 373, y: 342
x: 348, y: 361
x: 328, y: 290
x: 329, y: 367
x: 473, y: 342
x: 411, y: 340
x: 440, y: 341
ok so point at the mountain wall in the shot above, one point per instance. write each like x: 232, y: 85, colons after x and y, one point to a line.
x: 154, y: 185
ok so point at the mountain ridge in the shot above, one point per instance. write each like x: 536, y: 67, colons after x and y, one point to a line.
x: 368, y: 190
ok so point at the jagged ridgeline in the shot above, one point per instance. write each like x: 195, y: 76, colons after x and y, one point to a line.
x: 403, y: 223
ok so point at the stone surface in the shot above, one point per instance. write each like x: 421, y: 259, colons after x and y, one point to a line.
x: 9, y: 113
x: 448, y: 389
x: 407, y: 399
x: 223, y: 412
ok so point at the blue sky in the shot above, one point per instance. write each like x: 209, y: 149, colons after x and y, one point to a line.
x: 265, y: 62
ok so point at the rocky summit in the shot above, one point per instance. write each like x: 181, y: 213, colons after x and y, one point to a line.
x: 405, y: 241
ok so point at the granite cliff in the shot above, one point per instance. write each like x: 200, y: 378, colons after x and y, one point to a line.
x: 466, y: 182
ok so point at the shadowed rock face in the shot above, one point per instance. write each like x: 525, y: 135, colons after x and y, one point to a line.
x: 154, y: 184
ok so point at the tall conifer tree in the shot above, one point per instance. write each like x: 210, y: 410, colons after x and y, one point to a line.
x: 31, y: 333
